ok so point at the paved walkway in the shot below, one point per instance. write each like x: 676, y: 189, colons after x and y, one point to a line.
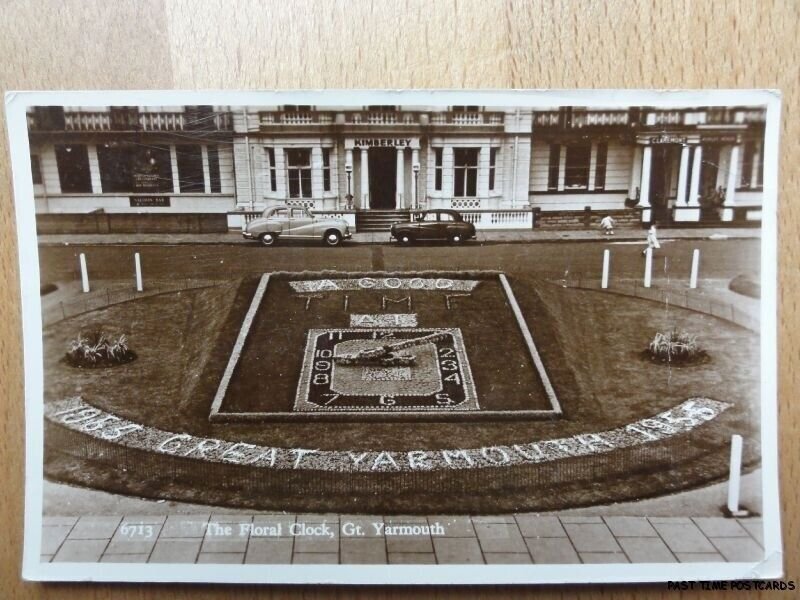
x: 511, y: 236
x: 333, y: 539
x: 128, y: 529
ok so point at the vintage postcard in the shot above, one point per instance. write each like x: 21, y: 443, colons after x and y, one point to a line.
x: 399, y: 337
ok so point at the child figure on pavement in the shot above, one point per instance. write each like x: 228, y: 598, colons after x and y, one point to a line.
x: 607, y: 223
x: 652, y: 239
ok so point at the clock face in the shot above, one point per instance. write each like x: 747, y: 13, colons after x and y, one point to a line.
x: 432, y: 374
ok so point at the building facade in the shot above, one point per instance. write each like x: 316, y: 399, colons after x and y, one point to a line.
x: 499, y: 167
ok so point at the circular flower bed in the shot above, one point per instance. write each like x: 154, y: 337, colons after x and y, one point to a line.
x: 676, y: 348
x: 98, y: 350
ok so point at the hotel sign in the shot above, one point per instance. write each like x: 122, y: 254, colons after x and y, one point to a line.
x: 382, y: 142
x: 666, y: 138
x: 149, y: 201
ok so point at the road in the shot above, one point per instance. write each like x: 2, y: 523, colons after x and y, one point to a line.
x: 719, y: 259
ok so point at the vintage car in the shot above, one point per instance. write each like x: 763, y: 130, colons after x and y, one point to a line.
x: 295, y: 223
x: 439, y: 224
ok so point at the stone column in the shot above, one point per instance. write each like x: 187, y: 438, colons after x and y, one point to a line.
x: 206, y: 169
x: 754, y: 182
x: 400, y: 179
x: 415, y: 180
x: 562, y: 167
x: 364, y: 178
x: 682, y: 212
x: 644, y: 189
x: 94, y: 169
x: 730, y: 190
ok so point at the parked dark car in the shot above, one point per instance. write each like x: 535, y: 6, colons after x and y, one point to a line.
x: 439, y: 224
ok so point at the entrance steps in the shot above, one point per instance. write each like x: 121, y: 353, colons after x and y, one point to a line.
x: 379, y: 220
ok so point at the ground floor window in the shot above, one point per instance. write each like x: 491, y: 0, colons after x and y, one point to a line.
x: 576, y: 171
x: 553, y: 167
x: 273, y: 170
x: 751, y: 156
x: 132, y: 168
x: 465, y: 172
x: 190, y: 168
x: 213, y: 170
x: 601, y: 162
x: 299, y: 172
x: 72, y: 161
x: 36, y: 170
x: 437, y: 168
x: 492, y: 167
x: 326, y: 169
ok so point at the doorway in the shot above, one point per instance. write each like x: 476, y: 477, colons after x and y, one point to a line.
x: 382, y: 178
x: 663, y: 181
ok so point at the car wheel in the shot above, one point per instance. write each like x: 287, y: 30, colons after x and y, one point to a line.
x: 456, y: 238
x: 268, y: 239
x: 333, y: 238
x: 405, y: 239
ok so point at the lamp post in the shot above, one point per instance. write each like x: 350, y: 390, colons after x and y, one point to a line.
x: 415, y: 168
x: 348, y: 168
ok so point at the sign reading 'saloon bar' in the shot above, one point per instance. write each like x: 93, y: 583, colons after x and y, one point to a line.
x: 386, y: 142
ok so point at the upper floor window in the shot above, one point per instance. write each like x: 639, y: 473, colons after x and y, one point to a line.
x: 72, y: 161
x: 752, y: 165
x: 465, y: 172
x: 576, y: 172
x: 299, y: 172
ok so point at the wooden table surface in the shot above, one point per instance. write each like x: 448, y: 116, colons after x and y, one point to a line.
x: 262, y: 44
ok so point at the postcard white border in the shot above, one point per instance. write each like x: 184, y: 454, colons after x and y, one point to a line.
x: 33, y: 569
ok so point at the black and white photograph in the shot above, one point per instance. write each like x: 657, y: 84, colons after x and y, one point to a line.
x: 391, y: 337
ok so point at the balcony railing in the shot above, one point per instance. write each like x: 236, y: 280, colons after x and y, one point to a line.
x: 578, y: 119
x: 295, y: 118
x: 143, y: 121
x: 468, y: 118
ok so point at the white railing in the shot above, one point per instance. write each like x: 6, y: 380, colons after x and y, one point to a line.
x: 499, y: 219
x: 87, y: 121
x: 162, y: 121
x: 664, y: 117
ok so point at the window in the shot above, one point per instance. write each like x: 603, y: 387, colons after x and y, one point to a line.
x: 273, y: 171
x: 299, y: 171
x: 751, y: 154
x: 213, y: 170
x: 466, y: 108
x: 492, y: 166
x: 576, y: 174
x: 446, y: 217
x: 124, y: 117
x: 437, y: 171
x: 190, y: 169
x: 601, y: 163
x: 297, y: 108
x: 73, y: 168
x: 553, y: 167
x: 326, y: 169
x: 126, y: 168
x: 298, y: 213
x: 428, y: 217
x: 36, y: 170
x: 465, y: 172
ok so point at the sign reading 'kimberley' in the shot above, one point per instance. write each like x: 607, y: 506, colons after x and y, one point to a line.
x: 386, y: 142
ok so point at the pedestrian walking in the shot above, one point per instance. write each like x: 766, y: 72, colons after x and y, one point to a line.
x: 652, y: 239
x: 607, y: 223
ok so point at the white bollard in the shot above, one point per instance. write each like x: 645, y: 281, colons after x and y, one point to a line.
x: 648, y: 267
x: 735, y: 477
x: 695, y: 267
x: 606, y: 260
x: 84, y: 274
x: 137, y: 261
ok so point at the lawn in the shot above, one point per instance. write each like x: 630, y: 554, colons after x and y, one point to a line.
x: 590, y: 343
